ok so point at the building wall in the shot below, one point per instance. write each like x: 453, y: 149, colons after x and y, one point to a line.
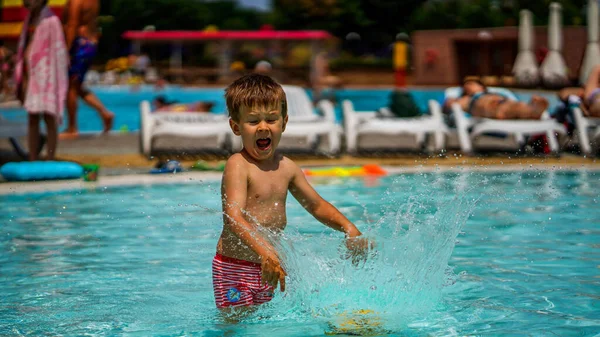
x: 445, y: 70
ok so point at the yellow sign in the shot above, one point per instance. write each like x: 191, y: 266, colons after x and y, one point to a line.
x: 400, y: 55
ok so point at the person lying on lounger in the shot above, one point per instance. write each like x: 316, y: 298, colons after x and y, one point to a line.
x: 479, y: 102
x: 161, y: 104
x: 588, y: 97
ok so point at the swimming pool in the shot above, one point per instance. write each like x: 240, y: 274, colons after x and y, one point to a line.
x: 125, y: 103
x: 459, y: 253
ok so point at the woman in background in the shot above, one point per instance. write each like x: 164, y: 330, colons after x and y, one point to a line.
x: 41, y: 74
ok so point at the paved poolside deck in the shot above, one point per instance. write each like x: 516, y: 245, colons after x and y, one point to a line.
x: 118, y: 153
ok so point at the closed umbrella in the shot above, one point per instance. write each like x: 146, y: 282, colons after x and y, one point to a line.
x: 525, y: 69
x: 553, y: 69
x: 592, y: 50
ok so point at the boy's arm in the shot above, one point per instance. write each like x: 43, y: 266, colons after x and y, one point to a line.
x: 319, y: 207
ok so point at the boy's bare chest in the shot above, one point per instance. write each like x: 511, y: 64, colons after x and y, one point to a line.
x: 268, y: 186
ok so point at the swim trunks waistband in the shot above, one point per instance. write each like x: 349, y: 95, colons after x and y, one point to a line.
x: 236, y: 261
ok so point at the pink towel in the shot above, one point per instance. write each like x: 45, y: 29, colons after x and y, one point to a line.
x: 47, y: 66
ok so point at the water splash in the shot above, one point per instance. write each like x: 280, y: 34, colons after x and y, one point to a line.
x: 401, y: 279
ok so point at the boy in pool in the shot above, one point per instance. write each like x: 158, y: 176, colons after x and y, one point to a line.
x: 246, y: 267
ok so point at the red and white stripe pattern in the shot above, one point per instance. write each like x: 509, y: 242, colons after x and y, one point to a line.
x: 237, y: 283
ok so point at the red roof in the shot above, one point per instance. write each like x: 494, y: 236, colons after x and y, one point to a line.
x: 192, y: 35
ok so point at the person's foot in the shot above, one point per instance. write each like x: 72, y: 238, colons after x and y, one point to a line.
x: 68, y: 135
x: 540, y: 105
x: 108, y: 122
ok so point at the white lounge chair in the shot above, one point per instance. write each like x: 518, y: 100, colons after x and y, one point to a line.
x: 469, y: 127
x: 305, y: 124
x: 586, y: 126
x: 91, y: 78
x: 151, y: 75
x: 108, y: 78
x: 183, y: 124
x: 360, y: 123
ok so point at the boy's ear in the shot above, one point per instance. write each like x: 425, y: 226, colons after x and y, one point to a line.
x: 285, y: 120
x: 234, y: 127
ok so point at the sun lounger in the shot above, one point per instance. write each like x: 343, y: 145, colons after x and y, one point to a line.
x: 108, y: 78
x: 305, y: 127
x: 151, y: 75
x: 190, y: 125
x: 91, y: 78
x: 384, y: 122
x: 469, y: 127
x: 586, y: 126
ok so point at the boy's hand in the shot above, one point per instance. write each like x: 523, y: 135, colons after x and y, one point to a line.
x: 358, y: 248
x: 272, y: 272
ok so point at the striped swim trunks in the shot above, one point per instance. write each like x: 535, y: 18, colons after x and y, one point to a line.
x: 237, y: 283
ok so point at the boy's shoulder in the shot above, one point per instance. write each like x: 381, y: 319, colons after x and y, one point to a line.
x: 286, y: 161
x: 289, y: 165
x: 236, y: 159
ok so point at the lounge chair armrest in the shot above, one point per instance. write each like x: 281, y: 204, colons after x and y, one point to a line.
x: 386, y: 112
x: 326, y: 107
x: 147, y: 122
x: 580, y: 119
x: 462, y: 126
x: 545, y: 115
x: 350, y: 116
x: 435, y: 109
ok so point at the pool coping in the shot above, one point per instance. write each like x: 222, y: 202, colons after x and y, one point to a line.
x: 17, y: 188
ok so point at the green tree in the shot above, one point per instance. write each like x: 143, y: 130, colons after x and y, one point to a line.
x: 339, y: 17
x: 387, y: 18
x: 491, y: 13
x: 376, y: 21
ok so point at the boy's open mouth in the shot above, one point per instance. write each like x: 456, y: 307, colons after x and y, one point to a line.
x: 263, y: 143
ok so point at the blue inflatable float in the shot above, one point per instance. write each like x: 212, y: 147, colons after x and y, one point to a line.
x: 41, y: 170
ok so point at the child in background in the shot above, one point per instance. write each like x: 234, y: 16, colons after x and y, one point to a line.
x: 41, y: 74
x: 247, y: 268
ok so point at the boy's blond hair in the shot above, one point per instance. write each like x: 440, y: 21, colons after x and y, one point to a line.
x: 254, y: 90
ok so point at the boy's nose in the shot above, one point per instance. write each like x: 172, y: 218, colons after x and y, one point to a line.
x: 262, y: 126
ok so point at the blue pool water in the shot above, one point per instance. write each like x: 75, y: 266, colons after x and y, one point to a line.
x: 125, y: 103
x: 478, y: 254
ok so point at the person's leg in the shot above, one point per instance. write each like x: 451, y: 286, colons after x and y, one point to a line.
x: 521, y: 110
x: 538, y: 105
x: 93, y: 101
x: 594, y: 110
x: 72, y: 96
x: 592, y: 83
x: 4, y: 85
x: 33, y: 135
x: 52, y: 135
x: 491, y: 106
x: 505, y: 110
